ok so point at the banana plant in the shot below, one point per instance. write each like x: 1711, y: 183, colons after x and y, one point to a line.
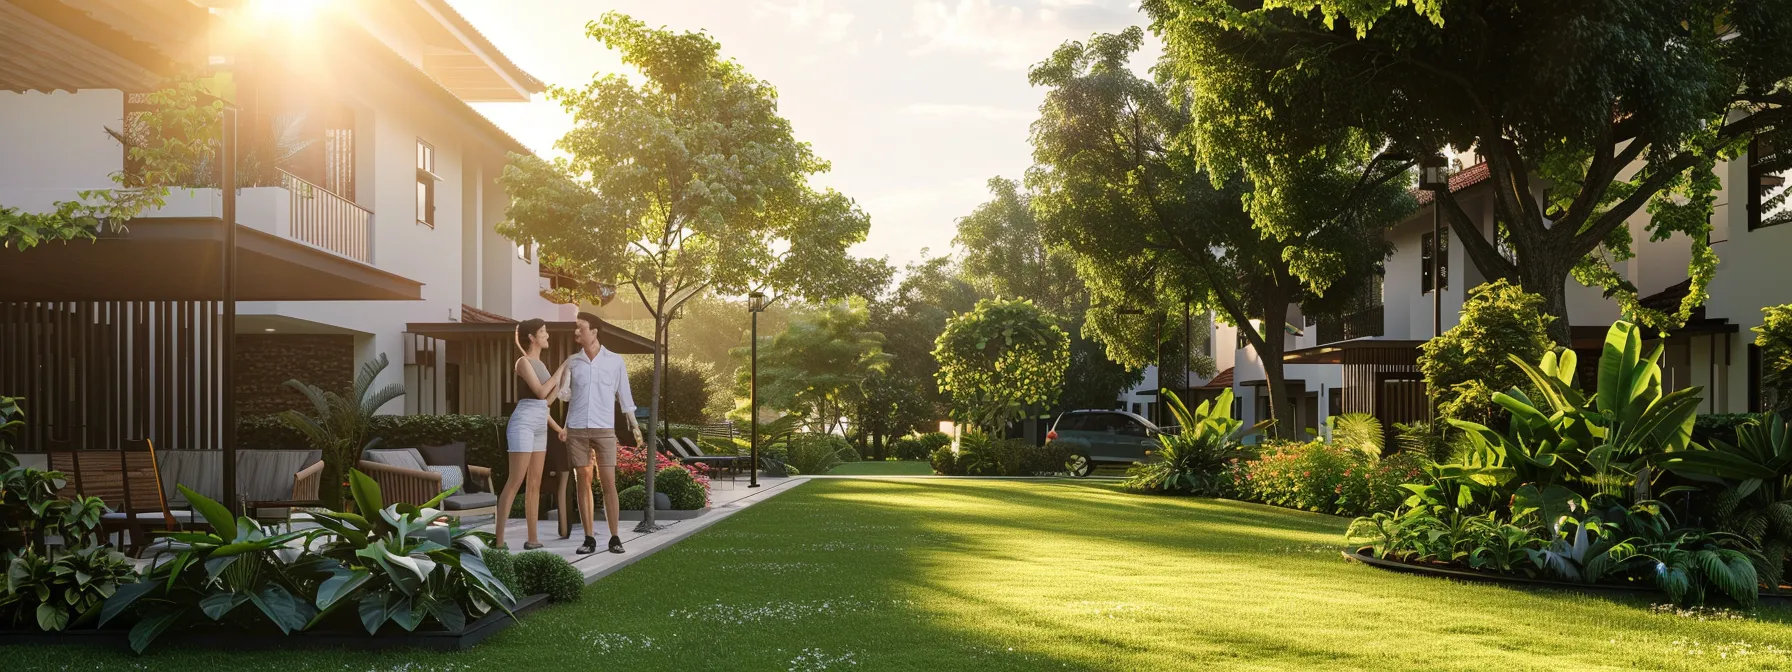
x: 213, y: 573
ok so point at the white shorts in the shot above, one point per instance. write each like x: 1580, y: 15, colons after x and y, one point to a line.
x: 528, y: 428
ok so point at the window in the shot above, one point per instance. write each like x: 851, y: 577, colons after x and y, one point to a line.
x: 1425, y: 261
x: 525, y: 251
x: 1130, y: 427
x: 1071, y: 423
x: 1768, y: 167
x: 426, y: 184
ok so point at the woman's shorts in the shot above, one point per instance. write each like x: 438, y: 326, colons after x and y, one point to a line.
x: 528, y: 428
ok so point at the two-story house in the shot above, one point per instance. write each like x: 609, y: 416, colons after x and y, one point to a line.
x: 366, y: 209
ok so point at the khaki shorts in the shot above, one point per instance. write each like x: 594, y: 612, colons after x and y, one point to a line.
x: 586, y: 445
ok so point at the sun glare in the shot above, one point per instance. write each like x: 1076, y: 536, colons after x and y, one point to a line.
x: 286, y: 10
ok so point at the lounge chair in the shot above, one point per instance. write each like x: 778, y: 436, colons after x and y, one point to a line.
x: 404, y: 476
x: 690, y: 451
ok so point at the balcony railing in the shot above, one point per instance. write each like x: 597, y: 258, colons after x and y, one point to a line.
x: 322, y: 218
x: 1360, y: 324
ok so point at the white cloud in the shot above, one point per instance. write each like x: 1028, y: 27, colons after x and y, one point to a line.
x: 1014, y: 34
x: 959, y: 111
x: 813, y: 17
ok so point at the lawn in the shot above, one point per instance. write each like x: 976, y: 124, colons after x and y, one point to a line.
x: 938, y: 575
x: 883, y: 468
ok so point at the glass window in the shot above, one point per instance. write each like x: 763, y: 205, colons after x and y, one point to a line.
x: 1129, y: 426
x: 1425, y: 261
x: 426, y: 184
x: 1769, y: 166
x: 1071, y: 423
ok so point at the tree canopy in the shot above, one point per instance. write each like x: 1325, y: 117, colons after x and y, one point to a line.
x: 818, y: 366
x: 1606, y: 109
x: 999, y: 359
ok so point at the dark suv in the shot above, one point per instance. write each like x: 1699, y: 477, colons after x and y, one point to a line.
x: 1103, y: 437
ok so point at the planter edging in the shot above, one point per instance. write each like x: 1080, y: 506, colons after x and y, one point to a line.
x: 357, y: 640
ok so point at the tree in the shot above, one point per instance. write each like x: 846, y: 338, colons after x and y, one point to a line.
x: 1005, y: 254
x: 819, y: 365
x: 1466, y: 365
x: 687, y: 388
x: 1000, y: 358
x: 341, y: 423
x: 1774, y: 337
x: 689, y: 181
x: 176, y: 137
x: 1120, y: 186
x: 1586, y: 113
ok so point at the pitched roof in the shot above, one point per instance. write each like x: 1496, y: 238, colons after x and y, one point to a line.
x: 473, y: 315
x: 1463, y: 179
x: 1221, y: 381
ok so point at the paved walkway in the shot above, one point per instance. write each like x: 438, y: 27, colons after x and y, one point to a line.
x: 724, y: 501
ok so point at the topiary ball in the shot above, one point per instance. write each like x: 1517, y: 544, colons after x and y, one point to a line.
x: 633, y: 498
x: 685, y: 493
x: 503, y: 567
x: 544, y: 572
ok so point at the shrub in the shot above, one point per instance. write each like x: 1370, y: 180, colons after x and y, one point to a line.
x: 1374, y: 485
x: 1720, y: 426
x: 1194, y: 460
x: 1306, y: 476
x: 686, y: 494
x: 631, y: 469
x: 686, y: 391
x: 633, y: 498
x: 503, y: 567
x: 816, y: 453
x: 1043, y: 460
x: 933, y: 440
x: 544, y: 572
x: 980, y: 454
x: 945, y: 463
x: 1471, y: 361
x: 910, y: 448
x: 850, y: 453
x: 1774, y: 336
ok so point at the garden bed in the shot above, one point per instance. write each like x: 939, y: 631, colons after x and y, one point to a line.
x: 389, y: 637
x: 1446, y: 572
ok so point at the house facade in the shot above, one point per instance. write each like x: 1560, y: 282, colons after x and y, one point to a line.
x: 358, y: 155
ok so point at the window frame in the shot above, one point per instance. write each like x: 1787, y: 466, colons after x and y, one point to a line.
x: 1757, y: 170
x: 1425, y: 261
x: 426, y: 183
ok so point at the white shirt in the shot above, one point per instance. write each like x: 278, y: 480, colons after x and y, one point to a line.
x: 598, y: 384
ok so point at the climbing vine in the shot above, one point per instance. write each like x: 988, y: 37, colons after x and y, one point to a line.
x: 168, y: 145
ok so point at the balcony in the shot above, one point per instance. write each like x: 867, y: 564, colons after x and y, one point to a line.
x: 296, y: 210
x: 1360, y: 324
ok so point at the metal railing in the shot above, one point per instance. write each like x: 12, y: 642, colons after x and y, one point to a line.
x: 323, y: 219
x: 1355, y: 325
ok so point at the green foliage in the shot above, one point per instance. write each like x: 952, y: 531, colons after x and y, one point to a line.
x: 1194, y: 461
x: 545, y: 572
x: 1750, y: 483
x: 12, y: 419
x: 341, y: 423
x: 1709, y: 427
x: 633, y: 498
x: 983, y: 455
x: 1774, y: 337
x: 818, y: 367
x: 1325, y: 477
x: 1360, y: 432
x: 944, y: 461
x: 684, y: 491
x: 916, y: 447
x: 62, y: 587
x: 503, y: 567
x: 1469, y: 363
x: 684, y: 393
x: 816, y: 453
x: 172, y: 139
x: 1000, y: 358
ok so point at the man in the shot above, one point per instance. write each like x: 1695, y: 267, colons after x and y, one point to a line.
x: 597, y: 383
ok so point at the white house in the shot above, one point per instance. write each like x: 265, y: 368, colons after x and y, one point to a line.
x: 367, y: 207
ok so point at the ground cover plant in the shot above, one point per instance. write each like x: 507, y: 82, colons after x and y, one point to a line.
x: 890, y: 574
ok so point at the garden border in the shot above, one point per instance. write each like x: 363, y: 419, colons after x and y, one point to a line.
x: 471, y: 635
x: 1765, y: 600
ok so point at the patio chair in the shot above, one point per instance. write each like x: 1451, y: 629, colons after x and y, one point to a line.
x: 265, y: 479
x: 127, y: 480
x: 691, y: 451
x: 404, y: 476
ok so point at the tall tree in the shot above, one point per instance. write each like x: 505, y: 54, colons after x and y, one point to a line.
x: 1120, y: 186
x: 1585, y: 112
x: 686, y: 182
x: 1006, y: 254
x: 1001, y: 358
x: 818, y: 366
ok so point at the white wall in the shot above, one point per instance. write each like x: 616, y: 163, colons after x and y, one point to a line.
x: 54, y: 144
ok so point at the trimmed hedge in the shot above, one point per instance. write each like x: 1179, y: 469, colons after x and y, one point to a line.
x: 633, y: 498
x: 545, y: 572
x: 686, y: 494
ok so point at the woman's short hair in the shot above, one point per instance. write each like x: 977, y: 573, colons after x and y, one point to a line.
x: 527, y: 327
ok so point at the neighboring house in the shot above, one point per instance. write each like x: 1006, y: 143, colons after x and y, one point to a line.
x: 366, y: 213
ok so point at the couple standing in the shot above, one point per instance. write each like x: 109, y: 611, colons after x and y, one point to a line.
x: 594, y: 381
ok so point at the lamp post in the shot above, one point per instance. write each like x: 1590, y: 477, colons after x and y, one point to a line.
x: 1434, y: 177
x: 755, y: 305
x: 227, y: 345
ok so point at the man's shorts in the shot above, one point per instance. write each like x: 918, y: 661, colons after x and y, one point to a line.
x: 583, y: 446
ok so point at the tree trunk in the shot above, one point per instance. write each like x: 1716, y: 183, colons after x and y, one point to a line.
x: 660, y: 332
x: 1281, y: 407
x: 1548, y: 277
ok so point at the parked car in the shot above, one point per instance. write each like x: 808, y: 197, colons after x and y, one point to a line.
x: 1097, y: 437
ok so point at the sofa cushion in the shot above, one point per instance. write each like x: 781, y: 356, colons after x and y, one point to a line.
x: 468, y: 502
x: 403, y: 458
x: 450, y: 455
x: 451, y: 476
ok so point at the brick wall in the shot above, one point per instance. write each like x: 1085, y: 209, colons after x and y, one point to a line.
x: 264, y: 362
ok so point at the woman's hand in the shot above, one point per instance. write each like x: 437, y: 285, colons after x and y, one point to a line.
x: 563, y: 435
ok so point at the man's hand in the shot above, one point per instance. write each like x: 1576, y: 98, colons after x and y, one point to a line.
x: 563, y: 435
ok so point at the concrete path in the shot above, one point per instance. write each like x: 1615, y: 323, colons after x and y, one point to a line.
x: 724, y: 501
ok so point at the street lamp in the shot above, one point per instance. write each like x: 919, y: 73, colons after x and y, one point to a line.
x: 1434, y: 177
x: 755, y: 304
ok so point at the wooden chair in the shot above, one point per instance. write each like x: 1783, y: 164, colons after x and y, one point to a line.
x: 129, y: 482
x: 403, y: 477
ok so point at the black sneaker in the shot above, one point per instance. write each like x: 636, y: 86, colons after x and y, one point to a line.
x: 589, y: 547
x: 615, y: 544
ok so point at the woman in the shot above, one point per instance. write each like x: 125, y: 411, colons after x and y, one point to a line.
x: 528, y: 429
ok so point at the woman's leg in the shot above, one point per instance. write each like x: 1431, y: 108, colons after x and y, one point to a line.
x: 532, y: 501
x: 519, y: 467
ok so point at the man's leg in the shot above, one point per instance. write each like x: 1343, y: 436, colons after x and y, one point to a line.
x: 612, y: 507
x: 585, y: 502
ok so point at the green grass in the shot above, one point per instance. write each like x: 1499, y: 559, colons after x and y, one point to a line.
x: 883, y: 468
x: 942, y: 575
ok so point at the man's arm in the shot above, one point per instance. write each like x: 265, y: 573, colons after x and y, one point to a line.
x: 625, y: 399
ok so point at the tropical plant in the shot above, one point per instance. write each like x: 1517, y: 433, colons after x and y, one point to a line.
x: 818, y: 366
x: 61, y: 587
x: 816, y: 453
x: 341, y: 422
x: 1774, y: 337
x: 213, y: 573
x: 1506, y: 548
x: 1360, y: 432
x: 12, y: 419
x: 1753, y: 493
x: 1466, y: 365
x: 1194, y: 460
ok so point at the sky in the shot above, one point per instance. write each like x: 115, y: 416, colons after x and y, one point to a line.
x: 917, y: 104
